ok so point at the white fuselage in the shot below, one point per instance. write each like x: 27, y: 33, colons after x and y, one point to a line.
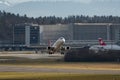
x: 57, y: 45
x: 59, y: 42
x: 106, y: 47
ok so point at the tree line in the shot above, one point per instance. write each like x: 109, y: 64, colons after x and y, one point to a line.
x: 7, y: 18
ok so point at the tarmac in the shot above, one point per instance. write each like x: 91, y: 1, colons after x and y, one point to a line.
x: 32, y: 55
x: 15, y: 68
x: 9, y: 68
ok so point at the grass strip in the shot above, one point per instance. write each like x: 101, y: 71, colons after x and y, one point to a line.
x: 54, y: 76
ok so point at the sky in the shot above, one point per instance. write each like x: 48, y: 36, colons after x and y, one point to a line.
x: 81, y: 1
x: 67, y: 7
x: 20, y: 1
x: 13, y: 2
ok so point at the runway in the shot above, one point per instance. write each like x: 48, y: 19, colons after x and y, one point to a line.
x: 31, y: 55
x: 52, y: 67
x: 9, y: 68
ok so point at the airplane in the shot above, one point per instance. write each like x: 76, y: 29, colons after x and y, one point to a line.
x: 103, y: 47
x: 58, y: 45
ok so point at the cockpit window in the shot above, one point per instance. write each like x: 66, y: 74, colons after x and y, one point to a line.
x: 61, y: 38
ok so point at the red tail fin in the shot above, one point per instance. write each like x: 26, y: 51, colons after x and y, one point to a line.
x: 101, y: 42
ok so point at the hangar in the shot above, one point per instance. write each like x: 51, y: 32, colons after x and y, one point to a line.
x: 33, y: 34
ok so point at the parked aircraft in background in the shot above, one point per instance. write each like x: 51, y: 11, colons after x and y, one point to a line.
x: 103, y: 47
x: 100, y: 52
x: 57, y: 46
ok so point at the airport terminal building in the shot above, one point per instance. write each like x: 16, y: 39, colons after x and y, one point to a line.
x: 92, y: 31
x: 33, y: 34
x: 26, y: 34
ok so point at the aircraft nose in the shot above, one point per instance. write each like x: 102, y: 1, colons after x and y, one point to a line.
x: 63, y: 40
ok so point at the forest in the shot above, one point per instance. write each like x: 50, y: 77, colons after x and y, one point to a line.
x: 7, y: 18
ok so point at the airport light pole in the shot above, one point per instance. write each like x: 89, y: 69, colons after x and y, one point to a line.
x: 110, y: 31
x: 13, y: 36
